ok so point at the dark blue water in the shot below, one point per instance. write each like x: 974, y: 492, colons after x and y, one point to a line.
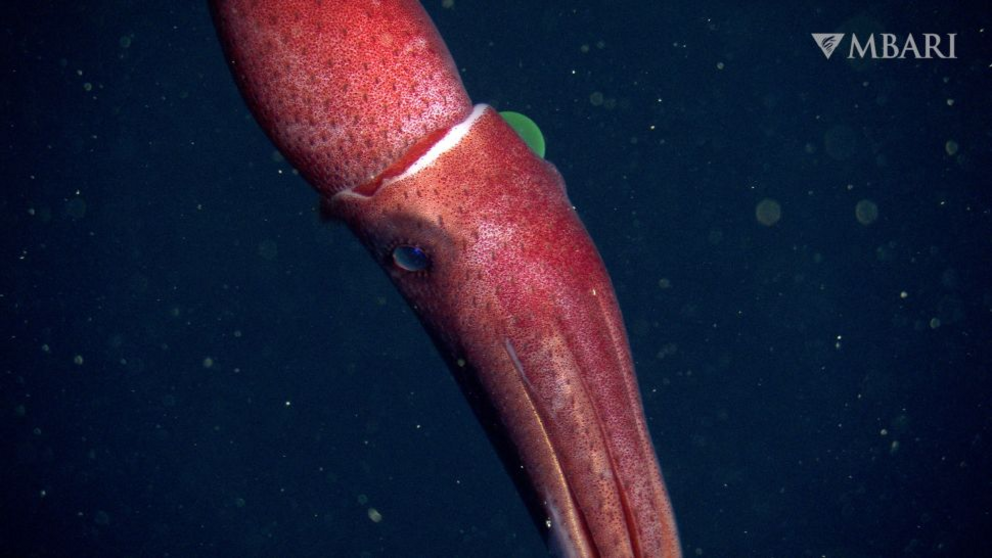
x: 193, y: 364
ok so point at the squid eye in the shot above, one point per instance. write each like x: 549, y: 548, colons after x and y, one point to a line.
x: 410, y: 258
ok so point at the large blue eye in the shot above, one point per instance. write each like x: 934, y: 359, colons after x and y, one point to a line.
x: 410, y: 258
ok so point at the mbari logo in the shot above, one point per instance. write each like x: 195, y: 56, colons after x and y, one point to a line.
x: 828, y: 42
x: 889, y: 46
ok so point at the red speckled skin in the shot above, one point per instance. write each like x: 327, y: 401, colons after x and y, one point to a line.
x: 343, y: 88
x: 514, y: 274
x: 515, y: 295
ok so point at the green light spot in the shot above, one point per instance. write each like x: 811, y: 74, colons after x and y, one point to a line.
x: 527, y: 130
